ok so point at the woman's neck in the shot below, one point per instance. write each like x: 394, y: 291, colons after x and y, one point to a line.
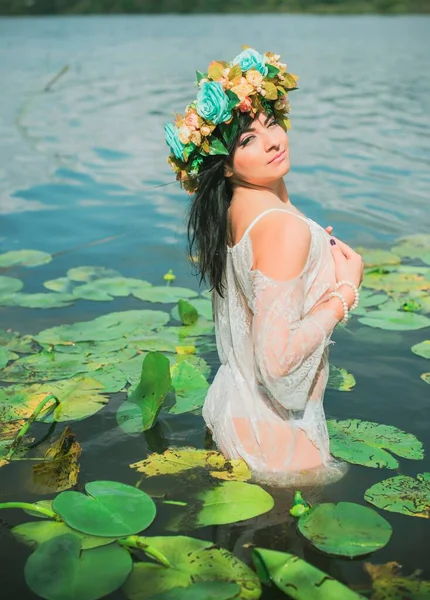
x: 277, y: 188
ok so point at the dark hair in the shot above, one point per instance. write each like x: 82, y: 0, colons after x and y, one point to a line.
x: 207, y: 218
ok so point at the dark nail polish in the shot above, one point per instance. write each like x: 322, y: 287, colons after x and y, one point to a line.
x: 333, y: 242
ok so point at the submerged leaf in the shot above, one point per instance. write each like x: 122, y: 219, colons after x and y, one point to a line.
x: 228, y: 502
x: 339, y: 379
x: 402, y: 494
x: 110, y: 509
x: 389, y: 584
x: 191, y: 561
x: 59, y: 470
x: 178, y: 460
x: 92, y: 273
x: 190, y: 387
x: 297, y: 578
x: 58, y: 570
x: 366, y: 443
x: 345, y: 529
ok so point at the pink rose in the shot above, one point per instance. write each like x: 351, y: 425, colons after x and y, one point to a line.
x: 245, y: 105
x: 192, y: 120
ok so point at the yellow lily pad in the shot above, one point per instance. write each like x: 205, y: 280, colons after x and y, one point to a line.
x: 178, y: 460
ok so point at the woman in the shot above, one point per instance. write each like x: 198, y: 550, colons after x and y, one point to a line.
x: 280, y: 283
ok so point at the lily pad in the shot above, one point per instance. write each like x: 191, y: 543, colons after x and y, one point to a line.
x: 178, y: 460
x: 62, y: 285
x: 422, y: 349
x: 37, y: 532
x: 9, y: 285
x: 12, y: 340
x: 369, y: 299
x: 402, y: 494
x: 209, y: 590
x: 190, y: 388
x: 202, y: 305
x: 167, y: 294
x: 345, y: 529
x: 389, y: 584
x: 397, y: 279
x: 43, y: 366
x: 140, y: 411
x: 395, y: 320
x: 58, y: 570
x: 366, y: 443
x: 425, y: 377
x: 112, y: 287
x: 110, y: 509
x: 42, y: 300
x: 88, y: 291
x: 375, y: 257
x: 107, y: 327
x: 191, y: 561
x: 90, y: 273
x: 228, y: 502
x: 24, y: 258
x: 6, y: 356
x: 339, y: 379
x: 297, y: 578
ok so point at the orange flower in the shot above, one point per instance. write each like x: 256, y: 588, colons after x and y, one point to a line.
x: 245, y: 105
x: 242, y: 89
x: 254, y: 78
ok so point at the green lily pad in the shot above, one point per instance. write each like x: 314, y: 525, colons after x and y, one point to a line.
x: 43, y: 300
x: 6, y: 356
x: 187, y: 312
x: 24, y: 258
x: 140, y: 411
x: 12, y: 340
x: 197, y: 361
x: 209, y: 590
x: 177, y: 460
x: 339, y: 379
x: 107, y: 327
x: 297, y: 578
x: 62, y: 285
x: 425, y: 377
x: 366, y: 443
x: 110, y: 509
x: 87, y: 274
x: 112, y: 379
x: 110, y: 287
x: 37, y: 532
x: 345, y: 529
x: 414, y: 246
x: 58, y: 570
x: 422, y: 349
x: 203, y: 307
x: 228, y: 502
x: 191, y: 561
x: 43, y: 366
x: 88, y: 291
x: 403, y: 303
x: 190, y: 388
x: 166, y: 294
x: 9, y: 285
x: 377, y: 256
x: 162, y: 340
x: 369, y: 299
x: 402, y: 494
x: 389, y: 584
x: 398, y: 279
x: 395, y: 320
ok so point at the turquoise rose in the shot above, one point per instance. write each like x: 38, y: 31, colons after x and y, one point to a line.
x: 173, y: 141
x: 212, y: 103
x: 251, y: 59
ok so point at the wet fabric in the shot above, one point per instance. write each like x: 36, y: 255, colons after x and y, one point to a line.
x: 265, y: 404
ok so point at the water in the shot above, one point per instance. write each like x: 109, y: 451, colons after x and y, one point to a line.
x: 80, y: 170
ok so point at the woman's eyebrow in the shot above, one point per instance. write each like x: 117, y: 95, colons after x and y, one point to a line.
x: 248, y: 129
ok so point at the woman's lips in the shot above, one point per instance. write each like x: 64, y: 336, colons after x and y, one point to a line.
x: 278, y: 157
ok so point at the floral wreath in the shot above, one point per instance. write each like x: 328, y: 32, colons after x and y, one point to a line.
x: 251, y: 83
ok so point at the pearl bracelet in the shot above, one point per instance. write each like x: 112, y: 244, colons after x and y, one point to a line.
x: 344, y: 304
x: 354, y: 289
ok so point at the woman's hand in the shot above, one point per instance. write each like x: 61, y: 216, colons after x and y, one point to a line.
x: 349, y: 266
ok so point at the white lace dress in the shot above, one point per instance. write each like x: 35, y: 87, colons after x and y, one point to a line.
x: 265, y: 404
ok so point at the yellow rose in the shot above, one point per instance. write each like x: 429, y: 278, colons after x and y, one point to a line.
x: 196, y: 138
x: 205, y: 130
x: 242, y: 89
x: 254, y: 77
x: 184, y: 134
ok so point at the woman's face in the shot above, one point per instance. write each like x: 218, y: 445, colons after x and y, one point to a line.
x: 262, y: 152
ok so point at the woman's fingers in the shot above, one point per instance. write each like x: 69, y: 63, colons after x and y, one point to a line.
x: 329, y: 229
x: 346, y: 250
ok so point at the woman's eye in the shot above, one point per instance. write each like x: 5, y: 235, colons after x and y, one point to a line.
x: 274, y: 122
x: 246, y: 140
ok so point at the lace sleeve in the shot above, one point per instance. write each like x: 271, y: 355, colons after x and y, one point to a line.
x: 288, y: 345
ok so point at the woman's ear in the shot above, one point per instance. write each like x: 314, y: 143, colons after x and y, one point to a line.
x: 228, y: 172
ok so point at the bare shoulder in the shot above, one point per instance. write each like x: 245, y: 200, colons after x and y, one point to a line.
x: 281, y: 243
